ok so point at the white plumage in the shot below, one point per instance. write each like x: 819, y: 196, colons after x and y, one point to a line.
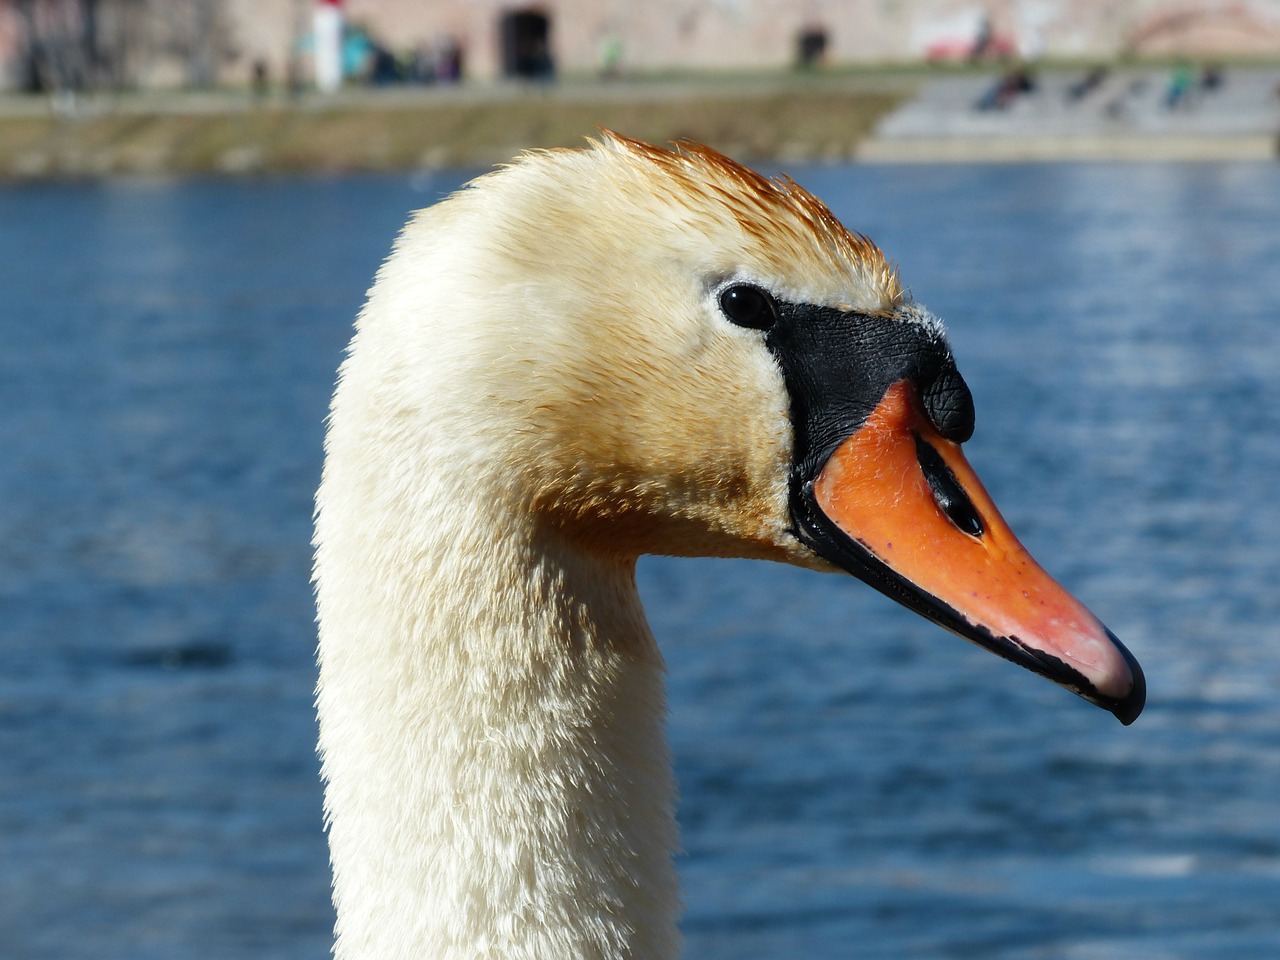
x: 542, y: 387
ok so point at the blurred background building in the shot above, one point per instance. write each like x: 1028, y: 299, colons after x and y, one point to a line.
x: 59, y: 44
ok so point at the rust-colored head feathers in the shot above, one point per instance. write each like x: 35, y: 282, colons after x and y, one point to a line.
x: 785, y: 223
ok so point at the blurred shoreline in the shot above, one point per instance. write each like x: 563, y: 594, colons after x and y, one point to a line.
x: 885, y: 116
x: 794, y: 118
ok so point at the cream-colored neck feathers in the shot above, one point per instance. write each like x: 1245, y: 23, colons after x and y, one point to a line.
x: 540, y: 389
x: 498, y: 781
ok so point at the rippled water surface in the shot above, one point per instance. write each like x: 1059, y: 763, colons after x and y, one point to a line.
x: 854, y: 781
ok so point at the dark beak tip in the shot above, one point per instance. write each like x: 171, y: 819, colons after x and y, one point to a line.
x: 1127, y: 709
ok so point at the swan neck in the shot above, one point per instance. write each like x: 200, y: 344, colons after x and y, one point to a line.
x: 491, y: 726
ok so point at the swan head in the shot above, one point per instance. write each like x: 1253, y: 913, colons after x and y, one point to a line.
x: 643, y: 350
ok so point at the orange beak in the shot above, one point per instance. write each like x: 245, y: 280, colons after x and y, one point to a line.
x: 912, y: 519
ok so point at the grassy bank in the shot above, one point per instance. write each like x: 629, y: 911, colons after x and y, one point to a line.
x: 402, y: 130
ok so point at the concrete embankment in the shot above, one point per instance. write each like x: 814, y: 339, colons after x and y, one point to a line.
x: 1127, y: 114
x: 791, y: 119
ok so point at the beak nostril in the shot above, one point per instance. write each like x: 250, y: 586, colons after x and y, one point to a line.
x: 950, y: 405
x: 947, y: 492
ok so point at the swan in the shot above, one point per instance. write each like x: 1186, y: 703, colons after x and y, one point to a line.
x: 582, y: 357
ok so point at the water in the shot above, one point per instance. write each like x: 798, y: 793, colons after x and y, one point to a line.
x: 854, y: 781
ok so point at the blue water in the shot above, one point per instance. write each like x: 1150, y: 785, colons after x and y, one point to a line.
x: 854, y: 781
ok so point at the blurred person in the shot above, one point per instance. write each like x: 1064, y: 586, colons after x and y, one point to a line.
x: 611, y: 56
x: 1090, y: 82
x: 260, y: 83
x: 982, y: 43
x: 1007, y: 89
x: 1178, y: 93
x: 449, y: 59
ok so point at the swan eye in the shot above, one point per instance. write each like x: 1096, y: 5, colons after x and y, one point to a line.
x: 749, y: 307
